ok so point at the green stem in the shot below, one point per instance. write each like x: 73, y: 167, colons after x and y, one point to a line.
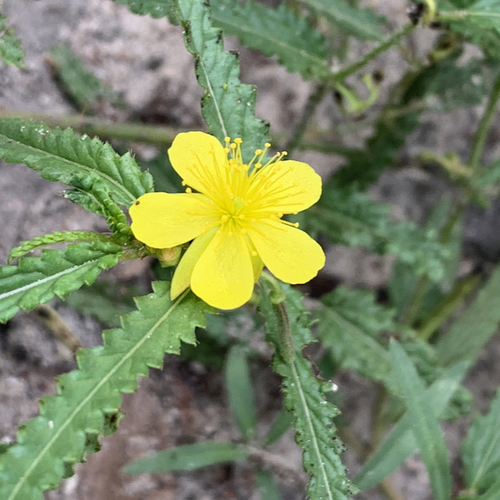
x: 394, y: 39
x: 484, y: 126
x: 314, y: 99
x: 90, y: 125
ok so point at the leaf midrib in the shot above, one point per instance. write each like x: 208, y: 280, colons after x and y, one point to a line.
x: 75, y: 412
x: 118, y: 187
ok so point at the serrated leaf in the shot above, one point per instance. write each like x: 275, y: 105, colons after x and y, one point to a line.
x: 315, y: 431
x: 189, y: 457
x: 481, y: 449
x: 240, y: 391
x: 10, y: 45
x: 54, y: 441
x: 35, y: 280
x: 275, y: 32
x: 350, y: 218
x: 425, y: 424
x: 61, y: 155
x: 400, y: 443
x: 82, y: 86
x: 470, y: 333
x: 350, y: 324
x: 362, y: 23
x: 228, y: 106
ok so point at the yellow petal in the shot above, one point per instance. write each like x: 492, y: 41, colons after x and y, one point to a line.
x: 289, y: 253
x: 162, y: 220
x: 223, y: 277
x: 182, y: 275
x: 198, y: 158
x: 286, y: 187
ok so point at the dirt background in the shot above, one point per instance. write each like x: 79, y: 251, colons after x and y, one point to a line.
x: 144, y: 60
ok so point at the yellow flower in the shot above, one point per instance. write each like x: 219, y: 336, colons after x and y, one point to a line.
x: 234, y: 219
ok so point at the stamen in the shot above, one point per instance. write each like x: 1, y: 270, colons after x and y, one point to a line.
x: 189, y: 190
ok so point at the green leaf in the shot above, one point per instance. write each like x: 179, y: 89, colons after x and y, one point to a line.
x: 228, y: 106
x: 281, y: 424
x: 481, y: 449
x: 61, y: 155
x: 104, y: 301
x: 10, y: 45
x: 82, y: 86
x: 469, y: 334
x: 154, y: 8
x: 425, y: 423
x: 493, y: 492
x: 267, y: 486
x: 350, y: 324
x: 485, y: 14
x: 240, y: 391
x: 35, y: 280
x: 278, y: 32
x: 350, y: 218
x: 362, y: 23
x: 315, y: 431
x: 88, y: 399
x: 449, y: 85
x: 400, y: 443
x: 189, y: 457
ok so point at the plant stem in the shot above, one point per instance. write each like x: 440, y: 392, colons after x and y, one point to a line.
x: 385, y: 45
x: 313, y: 100
x: 90, y: 125
x: 484, y: 126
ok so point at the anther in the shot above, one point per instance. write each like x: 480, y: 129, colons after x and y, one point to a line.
x: 238, y: 140
x: 254, y: 253
x: 189, y: 190
x: 227, y: 139
x: 258, y: 151
x: 267, y: 144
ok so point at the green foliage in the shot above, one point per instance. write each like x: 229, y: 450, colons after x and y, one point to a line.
x: 361, y: 23
x: 281, y: 424
x: 350, y: 218
x: 315, y: 431
x: 228, y: 106
x: 278, y: 32
x: 351, y: 324
x: 90, y: 396
x: 154, y: 8
x: 57, y: 237
x: 492, y: 493
x: 35, y: 280
x: 482, y: 318
x: 481, y: 450
x: 485, y: 14
x: 61, y: 155
x: 189, y: 457
x: 240, y: 392
x: 425, y: 424
x: 81, y: 85
x: 400, y: 443
x: 266, y: 485
x: 10, y: 45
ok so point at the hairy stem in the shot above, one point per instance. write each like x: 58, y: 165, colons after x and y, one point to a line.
x: 484, y: 126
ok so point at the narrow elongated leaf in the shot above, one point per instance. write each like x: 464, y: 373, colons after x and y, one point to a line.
x: 469, y: 334
x: 61, y: 155
x: 493, y: 492
x: 228, y: 106
x: 278, y: 32
x: 425, y: 423
x: 350, y: 218
x: 350, y: 324
x: 400, y: 443
x: 316, y: 433
x: 267, y: 487
x: 362, y: 23
x: 240, y: 392
x: 189, y: 457
x: 56, y: 273
x: 88, y: 399
x: 10, y: 45
x: 481, y: 449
